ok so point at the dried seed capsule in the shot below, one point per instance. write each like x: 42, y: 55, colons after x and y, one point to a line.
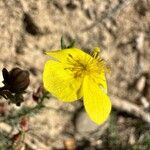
x: 17, y: 80
x: 5, y: 75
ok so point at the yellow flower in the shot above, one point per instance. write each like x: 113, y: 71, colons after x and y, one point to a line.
x: 72, y: 74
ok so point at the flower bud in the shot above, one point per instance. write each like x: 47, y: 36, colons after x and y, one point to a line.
x: 24, y: 123
x: 18, y: 141
x: 16, y: 81
x: 16, y: 137
x: 38, y: 94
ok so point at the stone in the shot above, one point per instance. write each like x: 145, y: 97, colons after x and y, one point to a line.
x: 141, y: 84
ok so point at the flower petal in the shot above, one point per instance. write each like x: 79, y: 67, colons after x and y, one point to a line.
x: 102, y: 82
x: 96, y: 102
x: 62, y: 55
x: 60, y: 83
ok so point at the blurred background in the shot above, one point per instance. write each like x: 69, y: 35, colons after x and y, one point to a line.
x: 121, y: 28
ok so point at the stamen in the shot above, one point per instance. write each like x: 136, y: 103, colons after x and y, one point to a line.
x: 96, y: 52
x: 81, y: 67
x: 71, y: 60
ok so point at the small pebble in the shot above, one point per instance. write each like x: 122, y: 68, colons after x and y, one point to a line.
x: 84, y: 125
x: 144, y: 102
x: 141, y: 84
x: 70, y: 143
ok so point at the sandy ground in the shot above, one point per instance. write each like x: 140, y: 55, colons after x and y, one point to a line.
x: 122, y: 30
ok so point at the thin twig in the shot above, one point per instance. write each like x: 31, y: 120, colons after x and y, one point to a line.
x: 130, y: 108
x: 24, y: 111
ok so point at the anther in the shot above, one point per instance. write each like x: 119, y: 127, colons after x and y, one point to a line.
x: 70, y: 55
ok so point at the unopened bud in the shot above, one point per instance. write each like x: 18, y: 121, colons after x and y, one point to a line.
x: 24, y: 123
x: 18, y: 141
x: 16, y: 137
x: 38, y: 94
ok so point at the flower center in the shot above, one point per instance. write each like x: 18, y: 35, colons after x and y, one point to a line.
x: 77, y: 66
x: 88, y: 65
x: 85, y: 65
